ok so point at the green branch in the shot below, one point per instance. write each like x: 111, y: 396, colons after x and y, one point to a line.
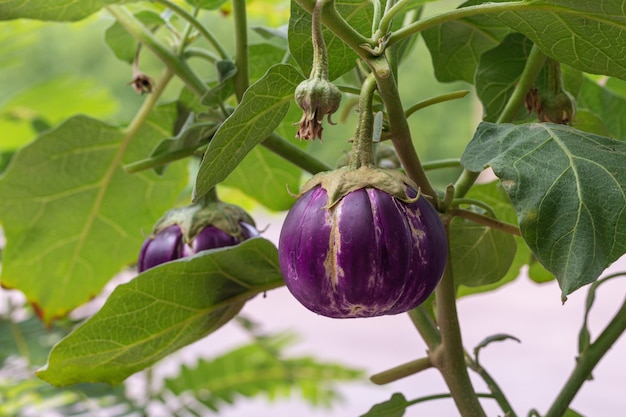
x: 452, y: 15
x: 399, y: 127
x: 486, y: 221
x: 241, y: 79
x: 401, y: 371
x: 435, y: 100
x: 449, y: 357
x: 426, y: 327
x: 294, y: 154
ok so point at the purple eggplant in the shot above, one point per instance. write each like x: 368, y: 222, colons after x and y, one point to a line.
x: 369, y: 254
x: 168, y: 244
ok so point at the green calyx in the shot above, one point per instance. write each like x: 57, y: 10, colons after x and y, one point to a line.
x: 344, y: 180
x: 195, y: 217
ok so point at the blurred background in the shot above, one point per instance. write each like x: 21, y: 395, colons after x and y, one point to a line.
x: 50, y: 71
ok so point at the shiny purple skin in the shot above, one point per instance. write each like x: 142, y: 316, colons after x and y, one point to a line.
x: 168, y: 244
x: 369, y: 255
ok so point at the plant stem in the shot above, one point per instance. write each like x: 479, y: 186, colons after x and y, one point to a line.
x: 442, y: 163
x: 478, y: 203
x: 319, y: 70
x: 426, y: 327
x: 449, y: 357
x: 401, y: 371
x: 241, y: 78
x: 196, y: 24
x: 363, y: 146
x: 456, y: 14
x: 441, y: 396
x: 435, y: 100
x: 487, y: 221
x: 201, y: 53
x: 399, y: 127
x: 294, y: 154
x: 171, y: 60
x: 587, y: 361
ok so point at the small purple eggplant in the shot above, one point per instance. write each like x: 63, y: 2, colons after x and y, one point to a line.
x: 188, y: 230
x: 168, y: 245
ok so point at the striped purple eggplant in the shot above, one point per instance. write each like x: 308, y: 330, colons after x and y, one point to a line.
x: 168, y: 244
x: 369, y: 254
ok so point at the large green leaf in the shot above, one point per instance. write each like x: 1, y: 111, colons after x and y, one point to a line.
x: 57, y: 10
x: 260, y: 368
x: 498, y: 71
x: 568, y: 189
x: 262, y: 109
x: 480, y: 255
x: 358, y: 13
x: 588, y: 35
x: 72, y: 217
x: 456, y: 46
x: 162, y: 310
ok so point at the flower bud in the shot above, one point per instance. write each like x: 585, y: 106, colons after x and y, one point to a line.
x: 317, y: 98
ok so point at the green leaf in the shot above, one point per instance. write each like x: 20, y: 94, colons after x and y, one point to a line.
x: 357, y: 13
x: 587, y: 35
x: 497, y: 74
x: 57, y: 10
x: 456, y: 46
x: 394, y: 407
x: 480, y: 255
x: 606, y: 105
x: 122, y: 43
x: 267, y: 178
x: 567, y: 187
x: 259, y: 369
x: 262, y: 109
x: 72, y: 217
x: 162, y: 310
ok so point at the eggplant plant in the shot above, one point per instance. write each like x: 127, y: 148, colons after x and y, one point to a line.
x: 254, y: 99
